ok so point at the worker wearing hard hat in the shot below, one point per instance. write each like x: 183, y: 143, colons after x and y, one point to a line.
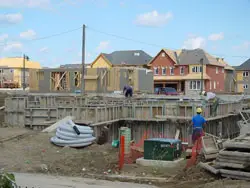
x: 198, y: 122
x: 211, y: 97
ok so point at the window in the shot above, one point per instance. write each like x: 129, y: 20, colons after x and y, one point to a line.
x: 245, y: 74
x: 195, y: 85
x: 217, y: 70
x: 197, y: 69
x: 222, y: 70
x: 245, y: 86
x: 214, y: 84
x: 171, y: 70
x: 136, y: 54
x: 210, y: 85
x: 163, y: 70
x: 163, y: 54
x: 156, y: 71
x: 181, y: 70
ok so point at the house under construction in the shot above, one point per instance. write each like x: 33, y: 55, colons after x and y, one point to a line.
x: 98, y: 80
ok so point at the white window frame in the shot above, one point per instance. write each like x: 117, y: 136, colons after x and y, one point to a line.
x: 196, y: 69
x: 171, y: 71
x: 193, y: 85
x: 163, y: 54
x: 245, y: 86
x: 222, y: 70
x: 217, y: 70
x: 156, y: 69
x: 245, y: 74
x: 181, y: 70
x: 214, y: 84
x: 164, y: 68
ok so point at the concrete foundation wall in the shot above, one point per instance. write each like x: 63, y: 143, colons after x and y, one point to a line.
x: 167, y: 128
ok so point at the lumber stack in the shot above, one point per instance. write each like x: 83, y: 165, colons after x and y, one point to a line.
x: 234, y: 160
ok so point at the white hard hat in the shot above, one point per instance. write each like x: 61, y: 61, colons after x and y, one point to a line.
x: 203, y: 92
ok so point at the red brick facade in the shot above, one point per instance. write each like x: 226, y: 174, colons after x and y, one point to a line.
x: 217, y: 82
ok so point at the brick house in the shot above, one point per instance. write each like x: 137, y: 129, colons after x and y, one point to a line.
x: 182, y: 70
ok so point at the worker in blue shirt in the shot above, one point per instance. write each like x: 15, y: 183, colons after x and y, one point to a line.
x: 128, y: 91
x: 198, y: 122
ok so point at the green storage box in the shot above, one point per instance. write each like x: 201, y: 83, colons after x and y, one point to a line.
x: 162, y: 149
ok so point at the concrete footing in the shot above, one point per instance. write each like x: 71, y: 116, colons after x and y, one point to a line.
x: 158, y: 163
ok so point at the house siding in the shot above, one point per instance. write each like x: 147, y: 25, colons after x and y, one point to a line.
x: 218, y: 78
x: 100, y: 63
x: 241, y: 81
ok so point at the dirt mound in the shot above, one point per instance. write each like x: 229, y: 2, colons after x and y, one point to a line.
x: 194, y: 173
x: 97, y: 159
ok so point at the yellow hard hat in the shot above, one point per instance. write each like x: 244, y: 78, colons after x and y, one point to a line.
x: 198, y: 110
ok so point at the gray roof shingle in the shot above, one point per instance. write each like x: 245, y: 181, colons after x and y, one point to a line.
x: 244, y: 66
x: 129, y: 57
x: 188, y: 57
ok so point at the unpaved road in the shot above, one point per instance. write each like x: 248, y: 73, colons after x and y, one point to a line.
x: 44, y: 181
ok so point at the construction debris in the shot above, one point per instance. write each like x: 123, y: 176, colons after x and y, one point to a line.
x: 234, y: 160
x: 57, y: 124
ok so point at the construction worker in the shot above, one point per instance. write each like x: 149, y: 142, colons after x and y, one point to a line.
x: 211, y: 97
x: 198, y: 122
x: 128, y: 91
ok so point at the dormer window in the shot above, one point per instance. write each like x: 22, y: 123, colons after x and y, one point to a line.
x: 136, y: 54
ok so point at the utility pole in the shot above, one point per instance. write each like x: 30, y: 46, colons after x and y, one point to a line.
x: 24, y: 83
x: 83, y: 59
x: 201, y: 62
x: 24, y: 70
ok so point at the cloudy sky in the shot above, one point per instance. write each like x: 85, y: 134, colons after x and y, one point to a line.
x: 49, y: 31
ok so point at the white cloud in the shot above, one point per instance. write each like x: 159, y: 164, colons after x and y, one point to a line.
x: 153, y: 19
x: 103, y: 45
x: 14, y: 46
x: 29, y: 34
x: 25, y: 3
x: 194, y: 42
x: 3, y: 37
x: 44, y: 49
x: 244, y: 46
x: 11, y: 18
x: 216, y: 36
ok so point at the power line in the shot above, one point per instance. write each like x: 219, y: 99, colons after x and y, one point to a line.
x: 115, y: 36
x: 124, y: 38
x: 49, y: 36
x: 150, y: 44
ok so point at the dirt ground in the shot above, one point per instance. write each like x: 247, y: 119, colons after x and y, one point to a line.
x: 34, y: 153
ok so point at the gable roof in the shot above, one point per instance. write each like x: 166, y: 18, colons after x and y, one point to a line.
x: 244, y: 66
x: 189, y: 57
x: 129, y: 57
x: 173, y: 54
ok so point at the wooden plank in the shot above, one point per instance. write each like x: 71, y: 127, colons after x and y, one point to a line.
x: 230, y: 165
x: 234, y: 154
x: 209, y: 168
x: 57, y: 124
x: 235, y: 177
x: 236, y: 145
x: 231, y: 161
x: 235, y: 173
x: 210, y: 156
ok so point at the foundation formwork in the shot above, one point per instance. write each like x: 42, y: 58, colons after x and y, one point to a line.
x: 155, y: 118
